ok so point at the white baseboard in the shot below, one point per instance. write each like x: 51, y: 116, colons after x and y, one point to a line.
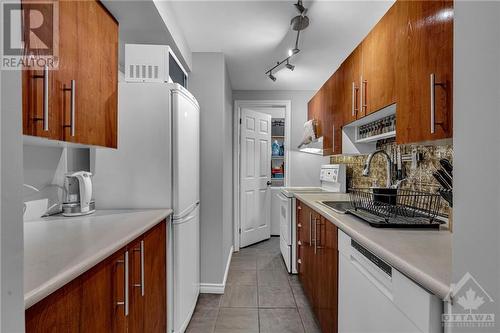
x: 217, y: 288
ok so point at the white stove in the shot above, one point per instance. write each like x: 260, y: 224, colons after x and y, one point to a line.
x: 333, y: 180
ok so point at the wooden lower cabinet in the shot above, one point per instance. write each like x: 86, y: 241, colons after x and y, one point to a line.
x: 95, y: 301
x: 317, y: 254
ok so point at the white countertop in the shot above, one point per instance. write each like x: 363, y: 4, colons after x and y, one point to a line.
x: 58, y: 249
x: 425, y: 256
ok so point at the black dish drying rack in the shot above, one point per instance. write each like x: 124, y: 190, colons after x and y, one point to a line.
x: 395, y: 208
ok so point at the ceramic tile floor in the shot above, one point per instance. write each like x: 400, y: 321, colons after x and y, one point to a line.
x: 260, y: 296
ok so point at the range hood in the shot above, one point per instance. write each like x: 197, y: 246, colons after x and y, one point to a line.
x: 311, y: 143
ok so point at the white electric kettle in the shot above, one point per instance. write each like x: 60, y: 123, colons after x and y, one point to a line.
x: 78, y: 194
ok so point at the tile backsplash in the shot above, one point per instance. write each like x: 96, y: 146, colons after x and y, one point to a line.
x: 418, y: 179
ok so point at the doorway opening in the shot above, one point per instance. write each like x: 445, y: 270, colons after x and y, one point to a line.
x: 261, y: 166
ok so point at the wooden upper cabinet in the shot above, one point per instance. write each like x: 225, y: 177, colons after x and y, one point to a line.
x: 41, y: 117
x: 97, y: 76
x: 378, y: 86
x: 425, y: 48
x: 88, y: 56
x: 350, y: 70
x: 336, y: 111
x: 319, y: 108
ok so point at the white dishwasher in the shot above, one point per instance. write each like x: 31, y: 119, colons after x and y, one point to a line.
x: 375, y: 297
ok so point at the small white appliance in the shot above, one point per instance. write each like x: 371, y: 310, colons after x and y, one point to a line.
x: 333, y: 180
x: 78, y: 188
x: 153, y: 63
x: 375, y: 297
x: 157, y: 165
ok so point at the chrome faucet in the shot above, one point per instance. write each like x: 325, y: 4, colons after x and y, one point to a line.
x: 366, y: 168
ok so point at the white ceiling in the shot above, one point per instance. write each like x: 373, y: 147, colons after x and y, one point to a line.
x: 255, y: 34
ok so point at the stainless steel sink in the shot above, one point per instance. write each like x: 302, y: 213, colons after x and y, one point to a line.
x: 338, y: 206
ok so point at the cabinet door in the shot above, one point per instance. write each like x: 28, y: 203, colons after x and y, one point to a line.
x: 99, y: 308
x: 378, y: 88
x: 319, y: 108
x: 96, y: 79
x: 155, y: 279
x: 337, y: 110
x: 58, y: 312
x: 425, y: 47
x: 305, y: 254
x: 33, y: 87
x: 351, y: 75
x: 326, y: 276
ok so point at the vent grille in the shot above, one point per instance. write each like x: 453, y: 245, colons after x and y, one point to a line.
x: 143, y: 72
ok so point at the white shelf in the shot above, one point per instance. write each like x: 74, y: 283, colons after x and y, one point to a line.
x: 377, y: 137
x: 278, y: 157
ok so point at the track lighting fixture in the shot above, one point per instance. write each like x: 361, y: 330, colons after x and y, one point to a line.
x: 298, y: 23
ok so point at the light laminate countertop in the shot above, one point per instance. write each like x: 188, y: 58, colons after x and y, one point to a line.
x: 58, y: 249
x: 425, y: 256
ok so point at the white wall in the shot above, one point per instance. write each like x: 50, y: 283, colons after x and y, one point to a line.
x: 45, y: 168
x: 476, y: 182
x: 304, y: 168
x: 210, y: 85
x: 180, y: 43
x: 227, y: 178
x: 11, y: 223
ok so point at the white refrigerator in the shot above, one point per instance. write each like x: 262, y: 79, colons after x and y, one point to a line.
x: 157, y: 165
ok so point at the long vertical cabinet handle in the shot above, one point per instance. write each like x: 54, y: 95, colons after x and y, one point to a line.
x: 354, y: 99
x: 125, y: 302
x: 433, y: 85
x: 433, y: 102
x: 142, y: 268
x: 315, y: 235
x: 362, y: 99
x: 45, y: 116
x: 310, y: 228
x: 126, y: 284
x: 141, y: 284
x: 72, y: 89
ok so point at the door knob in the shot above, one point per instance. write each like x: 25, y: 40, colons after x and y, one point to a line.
x: 269, y: 183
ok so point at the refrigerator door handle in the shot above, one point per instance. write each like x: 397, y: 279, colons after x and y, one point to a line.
x: 186, y: 212
x: 188, y: 215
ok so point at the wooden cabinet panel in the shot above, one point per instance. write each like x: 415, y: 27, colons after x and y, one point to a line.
x: 88, y: 54
x: 155, y: 298
x: 350, y: 70
x: 96, y: 80
x: 378, y: 86
x: 59, y: 312
x: 337, y: 101
x: 99, y: 311
x: 32, y: 77
x: 318, y: 267
x: 425, y: 47
x: 327, y: 272
x: 319, y: 108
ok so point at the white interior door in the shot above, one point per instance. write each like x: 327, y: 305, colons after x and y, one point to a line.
x: 255, y: 177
